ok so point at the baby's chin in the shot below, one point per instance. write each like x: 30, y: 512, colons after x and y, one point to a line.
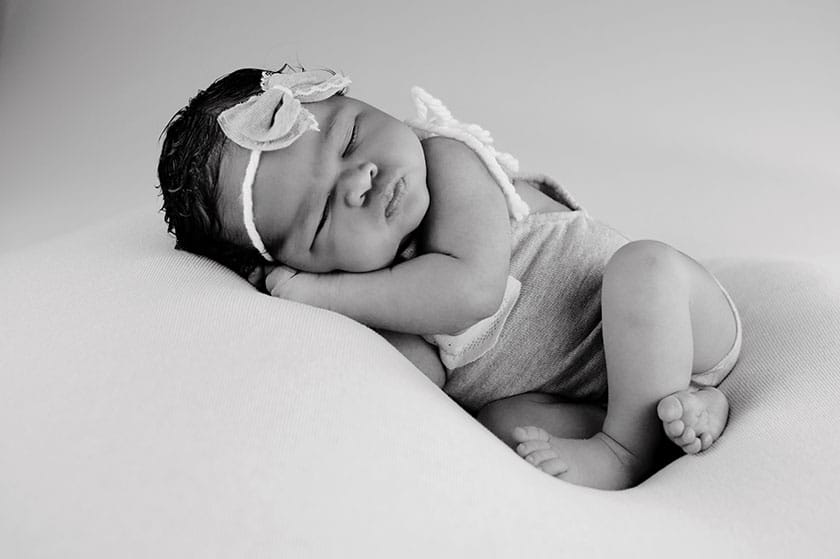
x: 386, y: 260
x: 373, y: 265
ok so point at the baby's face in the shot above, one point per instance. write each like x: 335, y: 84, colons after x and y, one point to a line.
x: 344, y: 198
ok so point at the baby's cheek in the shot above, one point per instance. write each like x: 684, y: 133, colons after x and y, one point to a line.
x: 368, y: 256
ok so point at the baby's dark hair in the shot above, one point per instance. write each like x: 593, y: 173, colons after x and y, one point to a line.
x: 188, y: 171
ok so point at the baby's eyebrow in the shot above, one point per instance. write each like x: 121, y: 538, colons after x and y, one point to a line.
x: 331, y: 128
x: 335, y: 126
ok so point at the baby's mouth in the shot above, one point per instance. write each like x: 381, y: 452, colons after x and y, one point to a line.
x: 395, y: 198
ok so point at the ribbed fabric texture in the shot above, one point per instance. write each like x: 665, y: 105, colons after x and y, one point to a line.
x: 152, y: 404
x: 551, y: 342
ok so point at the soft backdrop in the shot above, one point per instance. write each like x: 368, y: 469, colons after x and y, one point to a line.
x: 714, y: 126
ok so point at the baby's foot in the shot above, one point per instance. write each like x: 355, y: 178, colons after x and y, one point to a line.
x: 694, y: 419
x: 598, y: 462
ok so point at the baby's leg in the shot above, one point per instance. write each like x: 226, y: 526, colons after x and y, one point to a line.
x: 563, y: 419
x: 654, y: 310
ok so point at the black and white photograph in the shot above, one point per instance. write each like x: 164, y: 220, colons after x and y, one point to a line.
x: 402, y: 279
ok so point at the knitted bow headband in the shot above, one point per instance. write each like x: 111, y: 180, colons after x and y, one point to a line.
x: 272, y: 120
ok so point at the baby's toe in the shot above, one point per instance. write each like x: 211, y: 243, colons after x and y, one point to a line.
x: 539, y: 456
x: 674, y: 429
x: 530, y: 433
x: 669, y: 408
x: 692, y: 447
x: 706, y: 440
x: 688, y: 437
x: 526, y: 448
x: 553, y: 466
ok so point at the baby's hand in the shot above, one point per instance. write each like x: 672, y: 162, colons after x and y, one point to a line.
x: 257, y: 278
x: 276, y: 277
x: 302, y: 287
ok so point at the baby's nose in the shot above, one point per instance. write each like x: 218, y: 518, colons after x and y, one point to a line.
x: 358, y: 183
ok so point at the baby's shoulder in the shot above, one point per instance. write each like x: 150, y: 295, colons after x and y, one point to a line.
x: 450, y: 162
x: 444, y: 151
x: 537, y: 201
x: 454, y: 159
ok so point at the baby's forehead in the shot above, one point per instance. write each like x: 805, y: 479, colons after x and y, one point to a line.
x: 277, y: 167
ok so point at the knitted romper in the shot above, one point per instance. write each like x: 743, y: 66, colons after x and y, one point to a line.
x: 551, y: 341
x: 546, y: 336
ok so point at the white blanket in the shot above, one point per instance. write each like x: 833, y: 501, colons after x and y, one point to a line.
x: 153, y: 404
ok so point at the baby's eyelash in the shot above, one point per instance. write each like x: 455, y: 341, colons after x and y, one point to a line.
x: 352, y: 141
x: 324, y: 215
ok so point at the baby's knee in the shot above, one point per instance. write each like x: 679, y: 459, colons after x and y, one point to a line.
x: 646, y: 261
x: 646, y: 253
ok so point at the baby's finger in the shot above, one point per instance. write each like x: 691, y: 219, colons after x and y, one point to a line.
x: 278, y: 277
x: 257, y: 276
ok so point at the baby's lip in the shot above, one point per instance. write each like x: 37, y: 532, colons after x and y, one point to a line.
x: 393, y: 197
x: 382, y: 188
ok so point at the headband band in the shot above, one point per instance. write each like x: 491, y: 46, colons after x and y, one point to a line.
x: 248, y: 204
x: 272, y: 120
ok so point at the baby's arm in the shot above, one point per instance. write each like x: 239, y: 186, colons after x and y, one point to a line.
x: 422, y: 354
x: 460, y: 276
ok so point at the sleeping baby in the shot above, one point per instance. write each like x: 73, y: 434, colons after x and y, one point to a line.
x: 578, y: 347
